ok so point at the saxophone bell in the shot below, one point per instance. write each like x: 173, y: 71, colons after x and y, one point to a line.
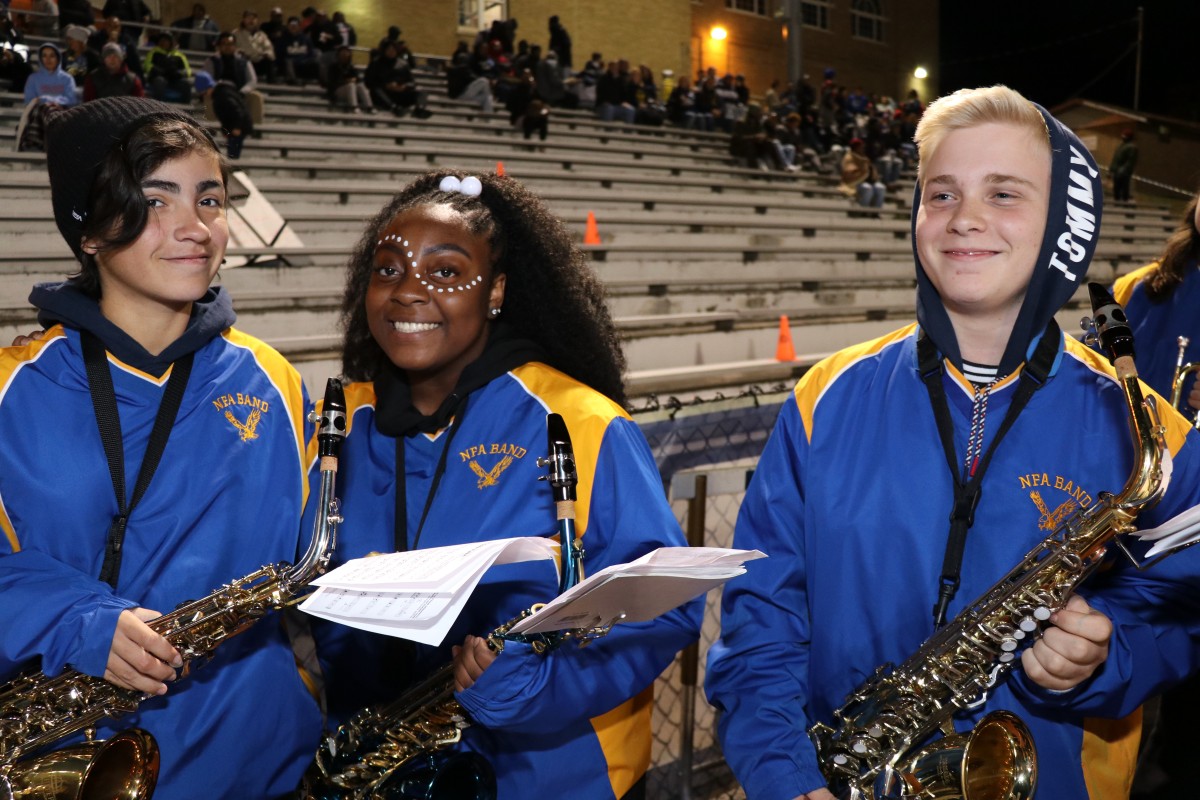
x: 994, y: 761
x: 123, y: 767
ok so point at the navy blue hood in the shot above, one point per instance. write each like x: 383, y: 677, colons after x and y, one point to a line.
x: 1072, y: 227
x: 63, y: 303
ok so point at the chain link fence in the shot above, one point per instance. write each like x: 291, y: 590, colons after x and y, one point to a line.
x: 706, y: 451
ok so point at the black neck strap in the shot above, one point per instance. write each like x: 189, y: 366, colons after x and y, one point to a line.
x: 401, y: 500
x: 104, y: 402
x: 967, y: 483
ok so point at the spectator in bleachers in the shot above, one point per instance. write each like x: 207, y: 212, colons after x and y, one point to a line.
x: 667, y: 85
x: 560, y: 42
x: 392, y: 84
x: 47, y: 91
x: 77, y: 59
x: 326, y: 38
x: 275, y: 25
x: 76, y: 12
x: 230, y: 66
x: 771, y: 100
x: 10, y: 34
x: 728, y: 109
x: 520, y: 59
x: 201, y: 35
x: 308, y: 17
x: 682, y: 110
x: 14, y: 70
x: 650, y: 108
x: 134, y: 14
x: 111, y: 31
x: 296, y: 55
x: 741, y: 89
x: 754, y: 145
x: 345, y: 85
x: 345, y: 31
x: 612, y: 98
x: 43, y: 21
x: 402, y: 50
x: 526, y: 109
x: 112, y: 78
x: 256, y: 46
x: 230, y: 108
x: 168, y: 73
x: 589, y: 77
x: 463, y: 84
x: 553, y: 85
x: 860, y: 179
x: 1121, y: 168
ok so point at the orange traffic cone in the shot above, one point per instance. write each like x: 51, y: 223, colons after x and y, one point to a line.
x: 785, y: 350
x: 499, y: 169
x: 591, y: 234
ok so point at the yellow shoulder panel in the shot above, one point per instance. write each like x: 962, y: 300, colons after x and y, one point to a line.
x: 1176, y: 426
x: 587, y: 414
x: 287, y: 382
x: 10, y: 359
x: 1123, y: 286
x: 809, y: 389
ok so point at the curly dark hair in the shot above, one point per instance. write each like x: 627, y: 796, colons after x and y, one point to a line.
x: 551, y: 295
x: 1182, y: 249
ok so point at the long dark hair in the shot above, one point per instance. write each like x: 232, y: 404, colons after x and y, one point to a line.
x: 118, y: 212
x: 551, y: 295
x: 1179, y: 255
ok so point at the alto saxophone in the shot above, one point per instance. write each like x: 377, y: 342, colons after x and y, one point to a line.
x: 36, y: 711
x: 867, y: 754
x: 401, y: 750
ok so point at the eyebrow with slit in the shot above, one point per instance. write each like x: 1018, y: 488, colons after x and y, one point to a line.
x: 173, y: 188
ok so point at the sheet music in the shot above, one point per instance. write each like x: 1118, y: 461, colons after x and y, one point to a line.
x: 640, y: 590
x: 419, y: 594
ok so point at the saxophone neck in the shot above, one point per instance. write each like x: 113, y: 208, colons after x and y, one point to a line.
x: 1146, y: 481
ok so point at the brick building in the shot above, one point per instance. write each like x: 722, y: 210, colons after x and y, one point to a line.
x: 875, y: 44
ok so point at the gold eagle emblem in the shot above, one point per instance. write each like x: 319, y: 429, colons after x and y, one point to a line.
x: 1050, y: 520
x: 246, y: 429
x: 490, y: 477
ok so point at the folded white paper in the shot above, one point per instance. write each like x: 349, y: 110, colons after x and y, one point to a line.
x: 640, y: 590
x: 419, y: 594
x: 415, y: 594
x: 1181, y: 530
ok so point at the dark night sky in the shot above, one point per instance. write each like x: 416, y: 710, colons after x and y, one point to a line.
x: 1055, y: 50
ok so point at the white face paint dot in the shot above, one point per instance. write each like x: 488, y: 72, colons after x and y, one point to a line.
x: 440, y: 291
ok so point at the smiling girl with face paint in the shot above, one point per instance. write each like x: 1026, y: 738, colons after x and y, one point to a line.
x: 851, y: 497
x: 469, y: 316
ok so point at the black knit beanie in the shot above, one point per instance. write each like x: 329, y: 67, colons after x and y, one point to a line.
x: 77, y: 140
